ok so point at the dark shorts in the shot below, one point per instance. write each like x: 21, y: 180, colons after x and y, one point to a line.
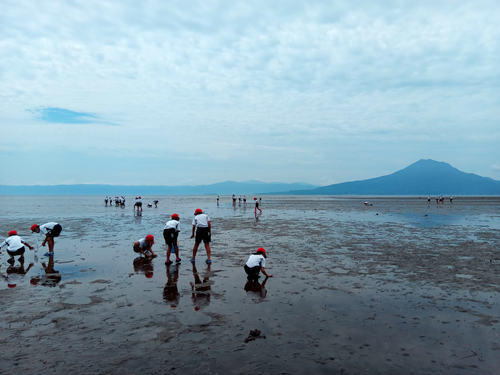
x: 139, y: 204
x: 202, y: 234
x: 56, y: 231
x: 170, y: 236
x: 19, y: 251
x: 254, y: 271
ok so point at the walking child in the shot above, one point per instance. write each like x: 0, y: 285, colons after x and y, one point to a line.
x: 257, y: 206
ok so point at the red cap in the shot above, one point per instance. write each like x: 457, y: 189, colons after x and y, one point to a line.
x: 149, y: 275
x: 150, y: 238
x: 33, y: 227
x: 175, y: 216
x: 255, y: 199
x: 11, y: 285
x: 198, y: 211
x: 261, y: 249
x: 140, y: 198
x: 12, y: 233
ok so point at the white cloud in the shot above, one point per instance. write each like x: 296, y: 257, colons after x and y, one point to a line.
x: 332, y: 90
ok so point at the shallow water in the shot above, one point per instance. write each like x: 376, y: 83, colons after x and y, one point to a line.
x: 397, y: 287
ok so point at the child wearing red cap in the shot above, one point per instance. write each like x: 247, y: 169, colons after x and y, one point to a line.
x: 201, y: 222
x: 145, y: 244
x: 256, y: 263
x: 15, y: 247
x: 170, y: 234
x: 51, y: 230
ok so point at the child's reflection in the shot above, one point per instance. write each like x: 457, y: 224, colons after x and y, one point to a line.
x: 256, y: 290
x: 144, y: 266
x: 171, y: 292
x: 201, y: 289
x: 51, y: 277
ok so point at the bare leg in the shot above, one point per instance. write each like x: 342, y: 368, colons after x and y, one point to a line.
x: 168, y: 252
x: 195, y: 249
x: 50, y: 242
x: 176, y: 252
x: 209, y: 251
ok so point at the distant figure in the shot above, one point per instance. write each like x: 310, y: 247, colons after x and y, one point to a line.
x: 217, y: 200
x: 51, y: 231
x: 256, y: 206
x: 145, y: 245
x: 437, y: 200
x: 239, y: 201
x: 256, y: 263
x: 138, y: 203
x: 156, y: 203
x: 451, y: 199
x: 170, y: 234
x: 15, y: 247
x: 244, y: 200
x: 234, y: 200
x: 106, y: 202
x: 150, y: 205
x: 260, y: 201
x: 428, y: 200
x: 368, y: 204
x: 122, y: 201
x: 201, y: 222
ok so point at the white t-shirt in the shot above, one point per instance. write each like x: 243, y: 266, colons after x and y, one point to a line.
x: 256, y: 260
x: 173, y: 224
x: 47, y: 228
x: 13, y: 243
x: 201, y: 220
x: 143, y: 244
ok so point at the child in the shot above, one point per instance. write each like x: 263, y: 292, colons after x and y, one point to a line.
x: 145, y: 244
x: 15, y: 246
x: 256, y: 263
x: 201, y: 222
x: 170, y: 233
x: 51, y: 230
x: 257, y: 206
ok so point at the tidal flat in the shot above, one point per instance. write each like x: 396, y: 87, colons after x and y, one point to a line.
x: 400, y: 287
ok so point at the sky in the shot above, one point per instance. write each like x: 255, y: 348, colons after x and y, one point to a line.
x: 198, y: 92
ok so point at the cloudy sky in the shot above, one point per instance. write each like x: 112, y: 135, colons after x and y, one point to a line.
x: 198, y: 92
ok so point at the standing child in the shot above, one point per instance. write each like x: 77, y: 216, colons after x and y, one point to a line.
x: 170, y: 233
x: 201, y: 222
x: 217, y: 200
x: 145, y: 244
x: 15, y: 247
x: 51, y: 231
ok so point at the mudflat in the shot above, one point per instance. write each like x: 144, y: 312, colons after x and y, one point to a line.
x: 400, y: 287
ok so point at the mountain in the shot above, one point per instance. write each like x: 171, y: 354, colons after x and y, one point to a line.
x: 221, y: 188
x: 425, y: 177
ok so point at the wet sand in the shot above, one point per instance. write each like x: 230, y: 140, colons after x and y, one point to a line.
x: 400, y: 287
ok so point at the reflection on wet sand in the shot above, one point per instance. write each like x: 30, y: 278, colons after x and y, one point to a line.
x: 51, y: 277
x: 256, y: 290
x: 144, y: 265
x: 171, y: 293
x: 201, y: 290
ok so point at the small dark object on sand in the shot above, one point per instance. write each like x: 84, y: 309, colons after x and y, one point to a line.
x: 254, y: 335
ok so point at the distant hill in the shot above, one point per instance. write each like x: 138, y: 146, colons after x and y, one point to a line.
x: 221, y: 188
x: 425, y: 177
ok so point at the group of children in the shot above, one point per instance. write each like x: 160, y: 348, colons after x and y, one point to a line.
x: 119, y: 201
x: 201, y: 232
x: 16, y: 245
x: 439, y: 199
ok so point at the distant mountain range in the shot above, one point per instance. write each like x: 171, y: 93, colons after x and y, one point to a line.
x: 221, y: 188
x: 425, y: 177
